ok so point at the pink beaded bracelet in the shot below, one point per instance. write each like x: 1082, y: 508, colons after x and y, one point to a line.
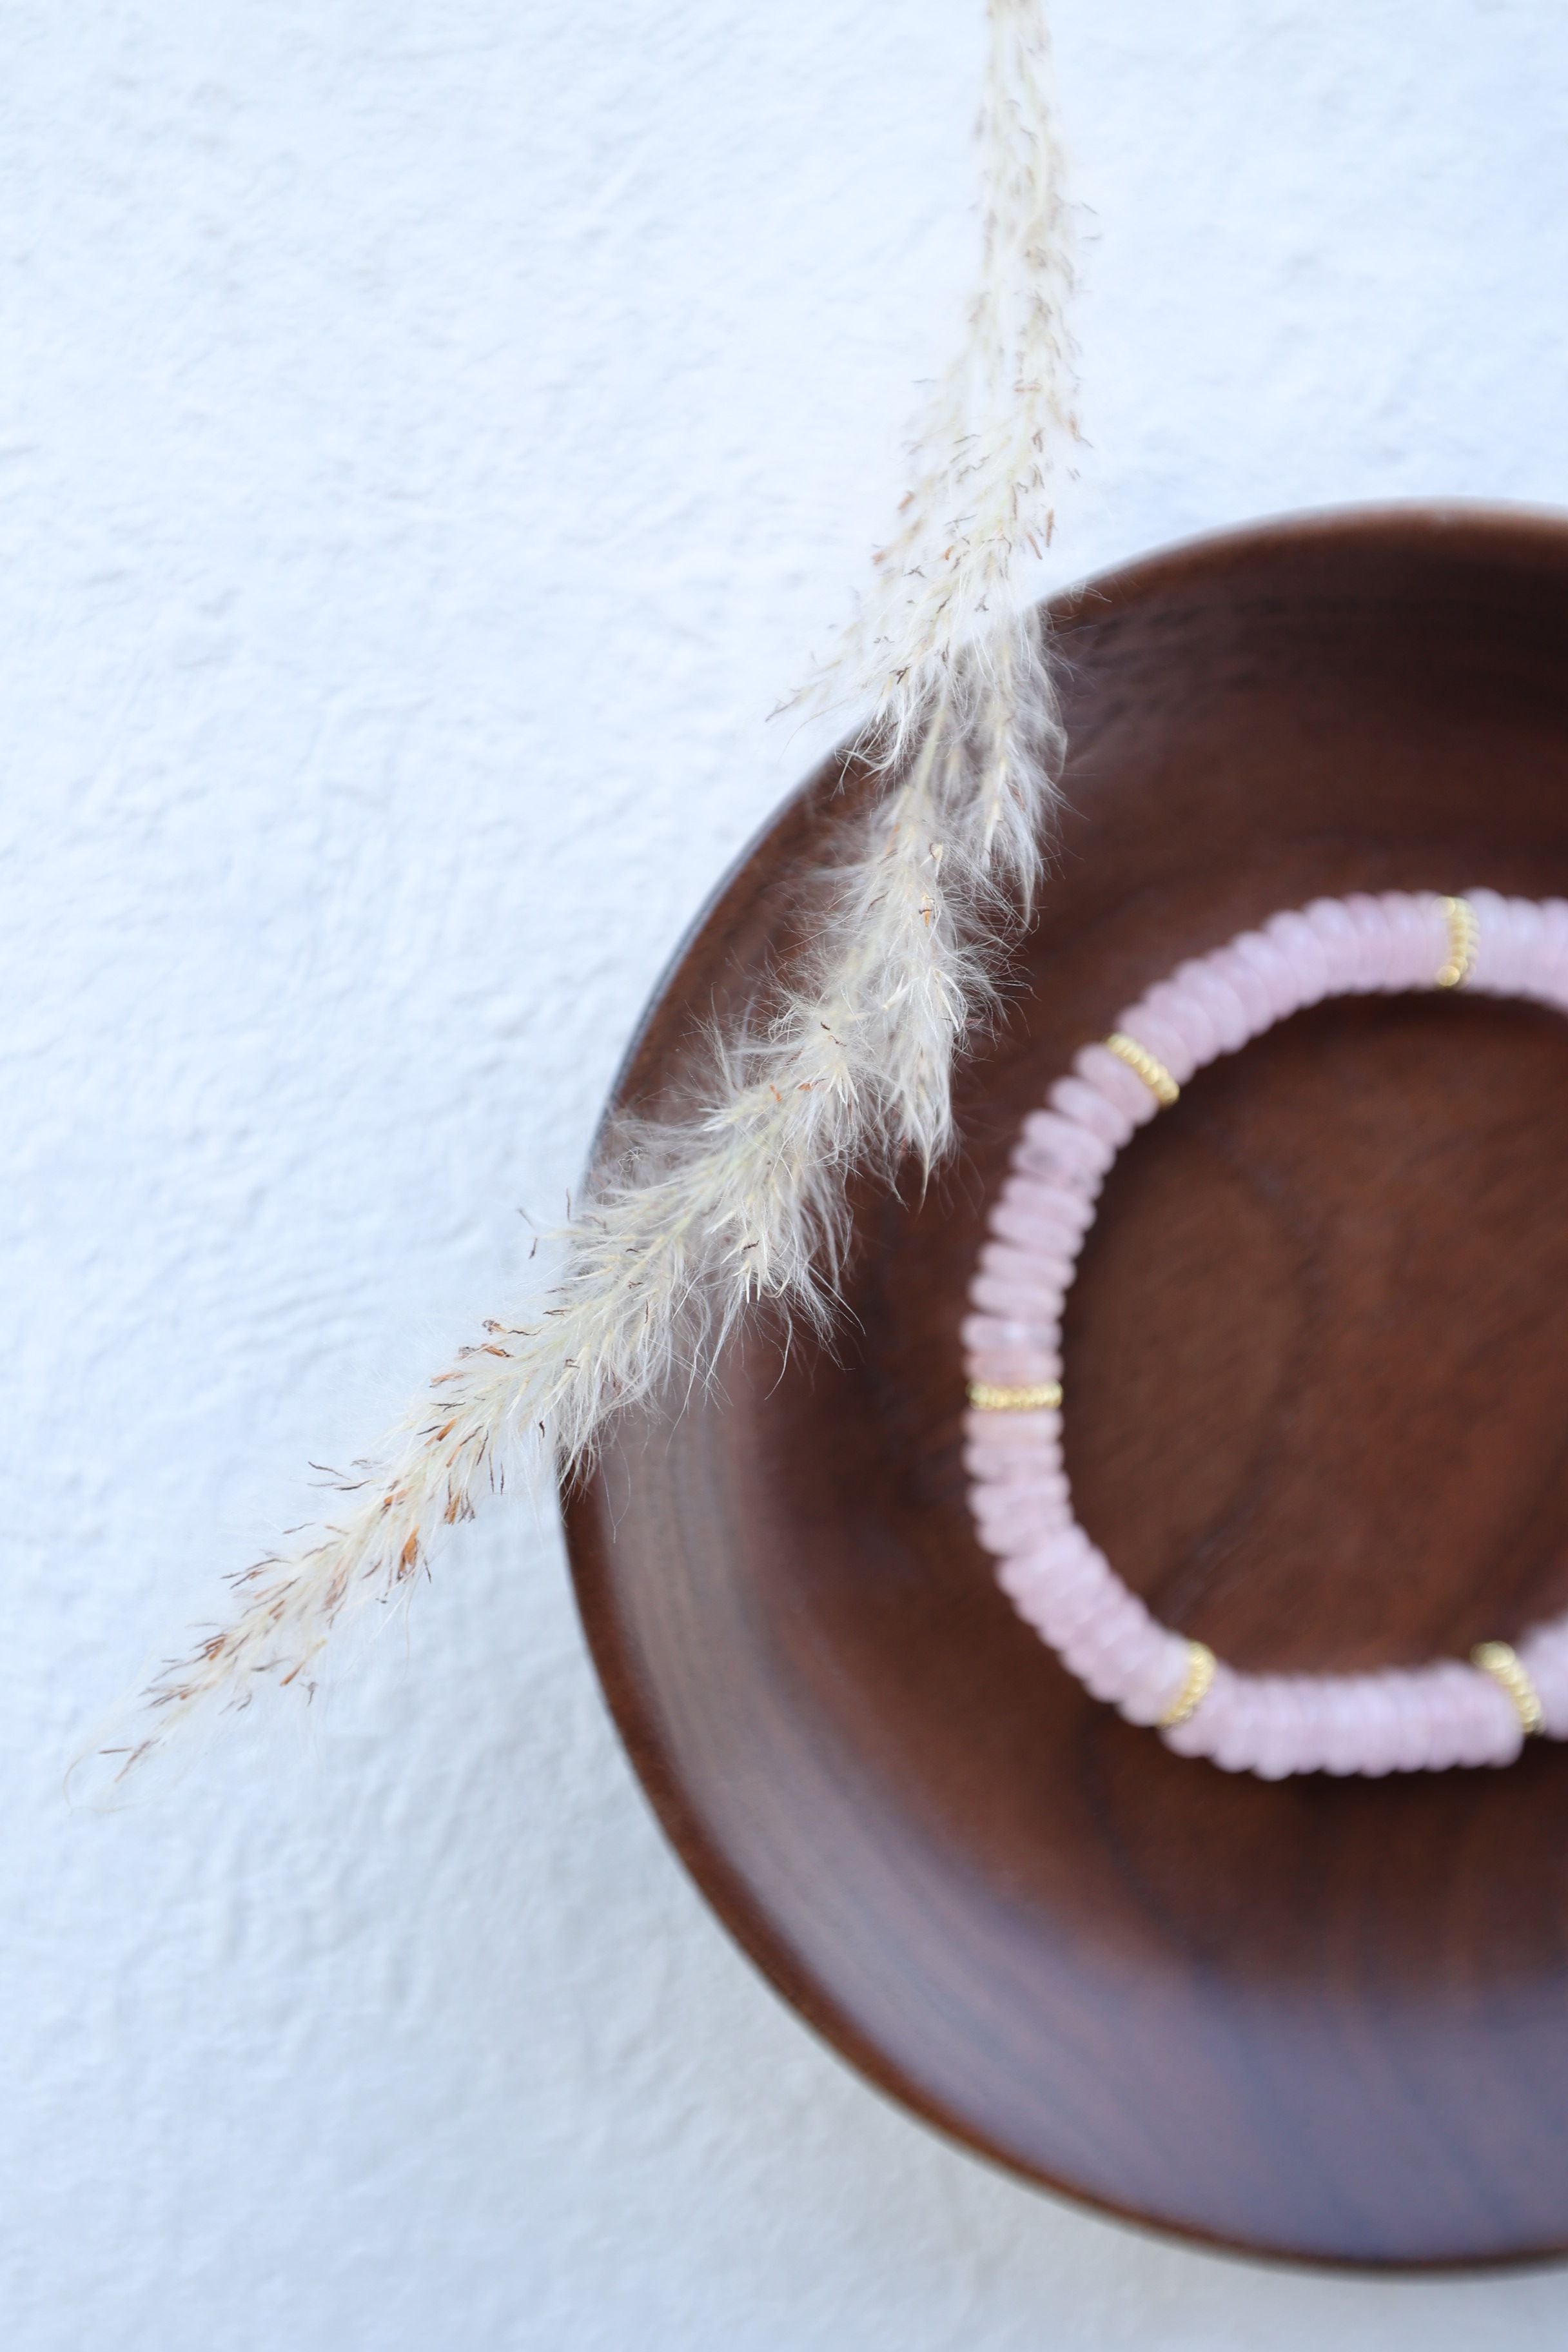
x: 1423, y: 1718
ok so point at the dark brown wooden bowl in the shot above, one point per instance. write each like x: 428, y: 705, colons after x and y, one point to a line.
x: 1317, y: 1355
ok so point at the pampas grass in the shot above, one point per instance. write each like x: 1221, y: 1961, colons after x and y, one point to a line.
x: 689, y: 1224
x: 941, y: 612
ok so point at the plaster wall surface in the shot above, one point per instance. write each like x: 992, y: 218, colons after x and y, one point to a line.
x: 434, y: 434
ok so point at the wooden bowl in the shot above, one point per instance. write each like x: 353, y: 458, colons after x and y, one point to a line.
x: 1318, y: 1359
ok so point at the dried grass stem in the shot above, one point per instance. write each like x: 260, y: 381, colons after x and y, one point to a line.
x: 690, y: 1222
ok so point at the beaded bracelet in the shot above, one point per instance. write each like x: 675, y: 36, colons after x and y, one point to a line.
x: 1424, y: 1718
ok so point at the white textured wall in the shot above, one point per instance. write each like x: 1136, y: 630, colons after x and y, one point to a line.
x: 435, y: 431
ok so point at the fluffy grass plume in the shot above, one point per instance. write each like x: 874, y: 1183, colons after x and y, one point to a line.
x: 690, y: 1223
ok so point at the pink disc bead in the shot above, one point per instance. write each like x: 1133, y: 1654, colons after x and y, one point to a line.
x: 1202, y: 983
x: 1190, y: 1018
x: 1087, y: 1108
x: 1110, y: 1075
x: 1305, y: 961
x: 1276, y: 970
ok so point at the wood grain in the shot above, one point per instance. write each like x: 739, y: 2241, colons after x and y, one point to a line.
x: 1317, y: 1357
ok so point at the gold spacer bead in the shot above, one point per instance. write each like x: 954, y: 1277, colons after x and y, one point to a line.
x: 987, y: 1396
x: 1503, y: 1663
x: 1141, y: 1061
x: 1194, y: 1687
x: 1464, y: 939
